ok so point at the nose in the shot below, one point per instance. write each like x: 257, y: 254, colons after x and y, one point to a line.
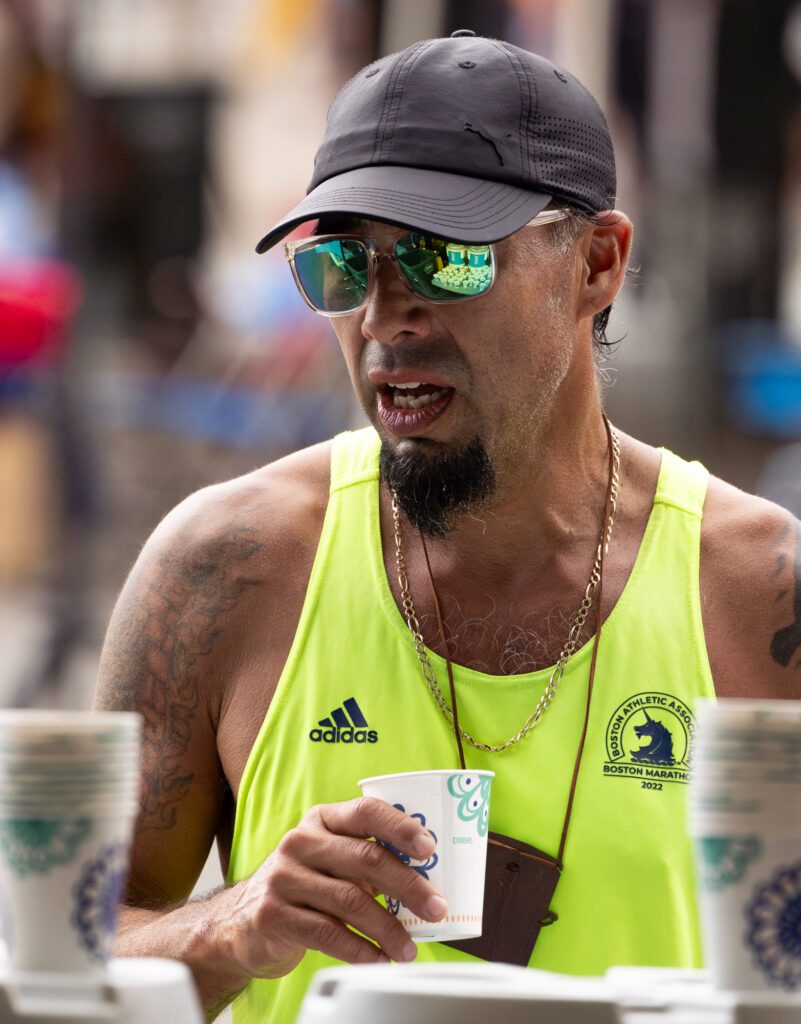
x: 393, y: 312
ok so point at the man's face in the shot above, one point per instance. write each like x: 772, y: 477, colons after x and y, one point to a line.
x: 492, y: 365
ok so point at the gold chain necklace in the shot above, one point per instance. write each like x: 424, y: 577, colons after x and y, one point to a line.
x: 576, y: 623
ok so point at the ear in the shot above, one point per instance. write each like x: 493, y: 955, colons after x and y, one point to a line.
x: 604, y: 257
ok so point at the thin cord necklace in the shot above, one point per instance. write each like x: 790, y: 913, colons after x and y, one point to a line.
x: 576, y: 623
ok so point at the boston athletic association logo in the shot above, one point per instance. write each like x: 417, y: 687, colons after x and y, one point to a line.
x: 649, y: 738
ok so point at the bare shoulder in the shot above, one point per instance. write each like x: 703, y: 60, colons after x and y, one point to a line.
x: 270, y: 504
x: 219, y: 550
x: 218, y: 579
x: 751, y: 594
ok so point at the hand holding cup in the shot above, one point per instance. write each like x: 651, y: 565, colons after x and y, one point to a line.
x: 453, y: 805
x: 318, y: 888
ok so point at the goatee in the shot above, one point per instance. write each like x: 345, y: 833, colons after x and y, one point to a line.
x: 433, y: 490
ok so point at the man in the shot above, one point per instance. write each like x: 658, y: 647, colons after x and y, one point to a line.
x: 463, y: 240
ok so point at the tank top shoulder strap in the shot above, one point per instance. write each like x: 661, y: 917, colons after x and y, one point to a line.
x: 681, y: 485
x: 354, y: 458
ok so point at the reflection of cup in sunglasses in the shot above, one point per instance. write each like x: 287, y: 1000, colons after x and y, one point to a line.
x: 456, y: 254
x: 468, y: 271
x: 477, y: 255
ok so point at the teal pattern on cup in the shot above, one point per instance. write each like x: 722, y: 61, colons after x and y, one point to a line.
x: 37, y: 845
x: 473, y: 793
x: 724, y: 861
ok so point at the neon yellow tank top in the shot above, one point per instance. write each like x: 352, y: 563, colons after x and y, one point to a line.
x: 352, y: 702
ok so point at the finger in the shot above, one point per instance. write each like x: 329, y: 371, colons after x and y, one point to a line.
x: 367, y: 816
x: 349, y: 903
x: 315, y: 930
x: 368, y: 863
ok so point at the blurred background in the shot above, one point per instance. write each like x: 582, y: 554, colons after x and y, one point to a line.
x: 145, y: 350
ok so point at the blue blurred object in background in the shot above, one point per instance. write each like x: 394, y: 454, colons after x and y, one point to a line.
x: 762, y: 368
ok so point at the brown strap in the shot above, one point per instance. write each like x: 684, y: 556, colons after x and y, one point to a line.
x: 593, y: 661
x: 438, y: 610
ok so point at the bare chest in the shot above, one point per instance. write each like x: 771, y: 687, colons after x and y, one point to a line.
x: 510, y: 637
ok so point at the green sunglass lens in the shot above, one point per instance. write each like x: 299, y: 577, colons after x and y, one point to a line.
x: 442, y: 270
x: 333, y: 274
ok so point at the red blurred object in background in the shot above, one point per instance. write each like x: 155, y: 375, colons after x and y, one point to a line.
x: 37, y: 302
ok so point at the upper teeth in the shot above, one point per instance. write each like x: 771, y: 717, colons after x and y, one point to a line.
x: 410, y: 402
x: 413, y: 384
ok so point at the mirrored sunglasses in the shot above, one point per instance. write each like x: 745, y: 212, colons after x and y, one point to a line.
x: 334, y: 272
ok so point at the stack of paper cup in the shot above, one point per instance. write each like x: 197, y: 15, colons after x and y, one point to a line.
x: 745, y: 816
x: 68, y: 796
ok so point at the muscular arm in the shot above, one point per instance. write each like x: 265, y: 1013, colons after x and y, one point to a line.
x: 164, y: 653
x: 751, y: 595
x: 182, y: 630
x: 159, y: 659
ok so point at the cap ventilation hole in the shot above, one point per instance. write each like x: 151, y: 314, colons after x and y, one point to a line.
x: 572, y: 159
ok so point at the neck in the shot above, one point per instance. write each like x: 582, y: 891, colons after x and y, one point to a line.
x: 549, y: 499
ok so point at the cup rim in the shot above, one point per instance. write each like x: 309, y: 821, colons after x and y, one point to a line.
x: 17, y: 779
x: 434, y: 772
x: 61, y: 769
x: 67, y: 764
x: 66, y: 810
x: 741, y: 705
x: 41, y: 796
x: 84, y: 750
x: 62, y: 721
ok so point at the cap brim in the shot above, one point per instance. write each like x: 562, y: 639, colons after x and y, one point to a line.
x: 460, y: 208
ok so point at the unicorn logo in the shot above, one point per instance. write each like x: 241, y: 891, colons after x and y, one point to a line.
x: 660, y: 749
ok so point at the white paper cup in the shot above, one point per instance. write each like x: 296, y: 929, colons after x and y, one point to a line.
x: 453, y: 805
x: 745, y: 818
x: 69, y: 784
x: 750, y: 902
x: 63, y: 878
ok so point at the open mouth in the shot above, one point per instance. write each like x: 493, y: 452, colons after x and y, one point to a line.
x: 415, y: 394
x: 410, y: 406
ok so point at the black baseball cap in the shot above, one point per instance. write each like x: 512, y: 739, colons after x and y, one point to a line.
x: 465, y: 137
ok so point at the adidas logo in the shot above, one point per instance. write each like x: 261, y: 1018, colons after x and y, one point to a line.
x: 339, y: 728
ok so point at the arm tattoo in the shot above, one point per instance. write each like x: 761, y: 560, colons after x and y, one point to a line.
x: 787, y: 641
x: 173, y: 617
